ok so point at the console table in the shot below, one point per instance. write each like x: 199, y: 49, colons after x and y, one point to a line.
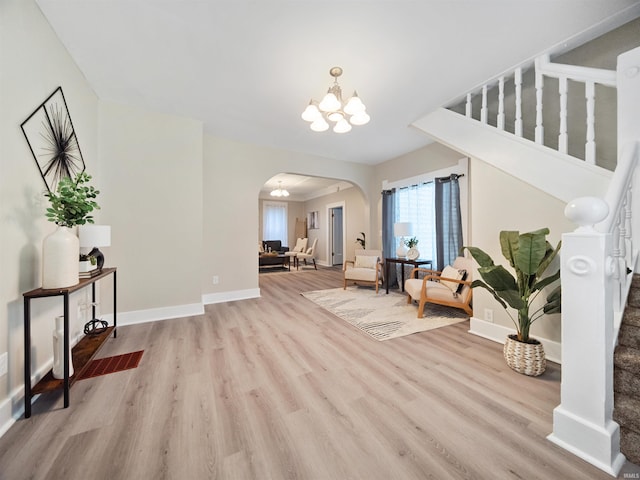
x: 82, y: 353
x: 402, y: 262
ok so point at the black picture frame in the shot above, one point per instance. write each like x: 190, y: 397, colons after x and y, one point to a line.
x: 52, y: 140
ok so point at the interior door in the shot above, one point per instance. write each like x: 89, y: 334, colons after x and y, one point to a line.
x: 337, y: 247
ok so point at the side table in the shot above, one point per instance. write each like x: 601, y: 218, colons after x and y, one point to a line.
x: 402, y: 262
x: 83, y: 352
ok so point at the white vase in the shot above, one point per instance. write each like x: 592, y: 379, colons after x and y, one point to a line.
x: 58, y: 351
x: 60, y: 251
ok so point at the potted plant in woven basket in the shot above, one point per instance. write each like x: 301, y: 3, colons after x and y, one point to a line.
x: 530, y: 255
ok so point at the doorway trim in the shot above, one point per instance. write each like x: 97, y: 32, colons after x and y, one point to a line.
x: 329, y: 244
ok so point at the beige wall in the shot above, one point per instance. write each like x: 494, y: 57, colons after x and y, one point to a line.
x: 33, y: 64
x: 355, y: 212
x: 152, y: 194
x: 233, y: 174
x: 515, y: 205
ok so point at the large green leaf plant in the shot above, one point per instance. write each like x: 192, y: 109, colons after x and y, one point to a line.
x: 73, y: 201
x: 530, y: 255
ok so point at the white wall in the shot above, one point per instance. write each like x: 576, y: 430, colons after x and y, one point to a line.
x: 33, y: 64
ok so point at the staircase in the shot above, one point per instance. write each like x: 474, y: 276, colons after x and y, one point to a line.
x: 626, y: 376
x: 599, y: 415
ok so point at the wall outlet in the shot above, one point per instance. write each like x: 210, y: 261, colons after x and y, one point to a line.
x: 3, y: 364
x: 216, y: 279
x: 488, y: 315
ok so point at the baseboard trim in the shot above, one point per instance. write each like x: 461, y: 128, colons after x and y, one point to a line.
x: 232, y: 296
x: 155, y: 314
x: 498, y: 333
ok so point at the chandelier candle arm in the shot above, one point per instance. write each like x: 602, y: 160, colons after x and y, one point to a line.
x: 333, y: 109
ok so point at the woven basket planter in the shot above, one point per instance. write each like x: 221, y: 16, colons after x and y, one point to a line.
x: 525, y: 358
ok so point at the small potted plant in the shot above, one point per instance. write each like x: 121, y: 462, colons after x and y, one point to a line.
x: 411, y: 244
x: 530, y: 255
x: 87, y: 263
x: 70, y: 205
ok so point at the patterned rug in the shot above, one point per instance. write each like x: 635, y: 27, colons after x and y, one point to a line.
x: 103, y: 366
x: 383, y: 316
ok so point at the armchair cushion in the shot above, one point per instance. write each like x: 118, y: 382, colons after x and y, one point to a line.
x: 366, y: 261
x: 452, y: 289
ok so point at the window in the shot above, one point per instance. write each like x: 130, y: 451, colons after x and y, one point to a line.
x: 416, y: 204
x: 274, y: 221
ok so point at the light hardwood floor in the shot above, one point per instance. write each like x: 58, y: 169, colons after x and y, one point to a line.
x: 278, y: 388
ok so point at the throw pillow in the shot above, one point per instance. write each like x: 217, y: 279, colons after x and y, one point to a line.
x: 366, y: 261
x: 461, y: 285
x: 453, y: 273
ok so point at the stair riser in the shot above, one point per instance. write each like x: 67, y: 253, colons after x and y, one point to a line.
x: 630, y: 445
x: 629, y: 336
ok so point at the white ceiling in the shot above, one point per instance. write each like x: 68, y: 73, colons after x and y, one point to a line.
x: 247, y: 69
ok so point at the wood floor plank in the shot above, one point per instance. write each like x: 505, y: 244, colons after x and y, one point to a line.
x: 276, y: 387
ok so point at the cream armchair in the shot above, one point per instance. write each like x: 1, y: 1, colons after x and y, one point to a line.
x: 301, y: 246
x: 309, y: 253
x: 367, y: 268
x: 451, y: 287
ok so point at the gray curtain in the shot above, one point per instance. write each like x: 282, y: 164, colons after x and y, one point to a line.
x: 388, y: 240
x: 448, y: 220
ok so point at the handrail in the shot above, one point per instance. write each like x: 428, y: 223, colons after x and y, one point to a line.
x: 619, y: 186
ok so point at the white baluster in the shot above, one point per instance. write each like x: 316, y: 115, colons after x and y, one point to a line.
x: 590, y: 146
x: 483, y: 110
x: 628, y: 234
x: 467, y: 109
x: 562, y: 137
x: 518, y: 83
x: 500, y: 120
x: 539, y: 133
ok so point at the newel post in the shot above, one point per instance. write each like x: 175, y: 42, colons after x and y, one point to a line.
x: 583, y: 422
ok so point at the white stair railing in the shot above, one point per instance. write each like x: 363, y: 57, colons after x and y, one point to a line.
x: 545, y: 68
x: 598, y: 259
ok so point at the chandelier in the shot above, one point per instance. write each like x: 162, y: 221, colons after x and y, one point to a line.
x: 279, y: 192
x: 333, y: 109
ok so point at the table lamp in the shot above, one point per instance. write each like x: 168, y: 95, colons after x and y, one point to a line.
x: 402, y: 229
x: 94, y: 236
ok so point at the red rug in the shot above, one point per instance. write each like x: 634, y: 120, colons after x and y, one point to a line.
x: 103, y: 366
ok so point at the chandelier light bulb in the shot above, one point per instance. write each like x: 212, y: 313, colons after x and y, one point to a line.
x: 311, y: 113
x: 335, y: 116
x: 319, y: 125
x: 361, y: 118
x: 330, y: 103
x: 342, y: 126
x: 354, y: 105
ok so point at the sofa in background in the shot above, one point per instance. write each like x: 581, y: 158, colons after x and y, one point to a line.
x: 275, y: 245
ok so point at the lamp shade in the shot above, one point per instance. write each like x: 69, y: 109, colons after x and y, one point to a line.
x: 94, y: 235
x: 402, y: 229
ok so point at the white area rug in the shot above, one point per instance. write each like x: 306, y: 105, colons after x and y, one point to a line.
x: 383, y: 316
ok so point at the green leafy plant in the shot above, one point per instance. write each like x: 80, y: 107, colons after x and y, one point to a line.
x: 412, y: 242
x: 529, y: 254
x: 73, y: 201
x: 362, y: 241
x: 88, y: 258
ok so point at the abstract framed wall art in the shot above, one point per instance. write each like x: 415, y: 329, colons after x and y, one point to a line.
x: 312, y: 220
x: 52, y: 140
